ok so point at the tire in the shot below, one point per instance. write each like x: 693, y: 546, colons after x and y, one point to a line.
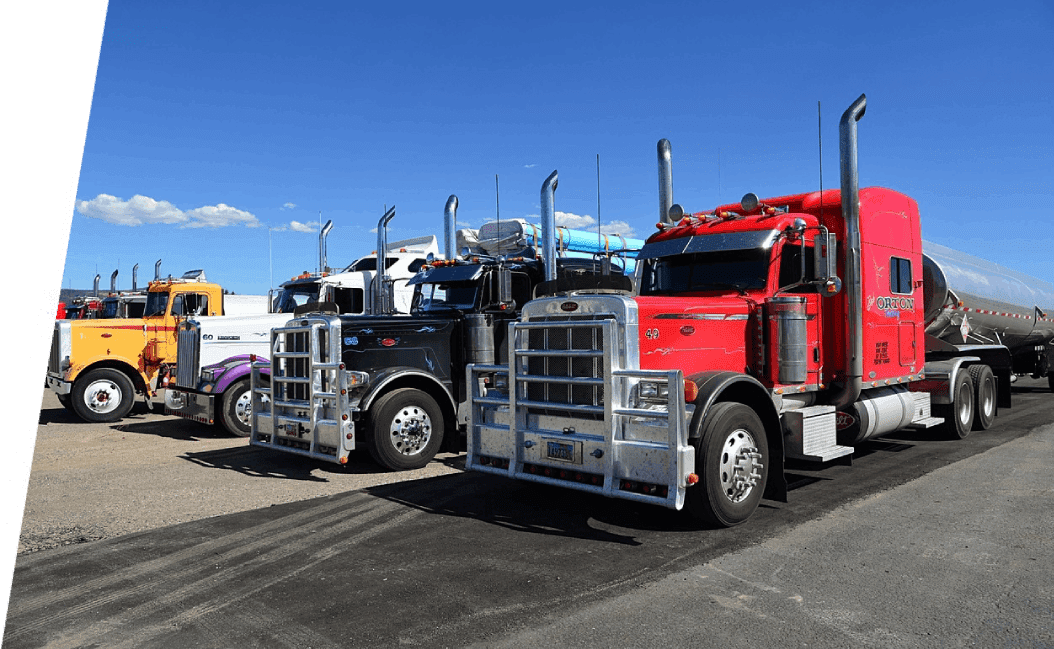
x: 406, y: 430
x: 102, y: 395
x: 731, y: 460
x: 236, y: 408
x: 958, y: 416
x: 67, y: 402
x: 1050, y: 381
x: 985, y: 396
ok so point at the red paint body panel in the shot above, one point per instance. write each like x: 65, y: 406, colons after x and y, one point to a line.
x: 727, y: 324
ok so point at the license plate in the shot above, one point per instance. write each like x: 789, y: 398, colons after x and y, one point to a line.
x: 564, y: 451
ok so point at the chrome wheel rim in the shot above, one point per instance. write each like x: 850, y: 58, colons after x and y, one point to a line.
x: 411, y: 429
x: 102, y: 396
x: 739, y: 466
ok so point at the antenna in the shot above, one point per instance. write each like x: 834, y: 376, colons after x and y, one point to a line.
x: 497, y: 203
x: 819, y: 134
x: 600, y: 237
x: 719, y: 193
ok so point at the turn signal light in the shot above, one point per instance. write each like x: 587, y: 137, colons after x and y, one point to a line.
x: 691, y: 391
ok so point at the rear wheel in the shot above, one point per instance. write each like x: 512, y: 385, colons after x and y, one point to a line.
x: 407, y: 429
x: 731, y: 460
x: 984, y: 392
x: 102, y: 395
x: 958, y: 415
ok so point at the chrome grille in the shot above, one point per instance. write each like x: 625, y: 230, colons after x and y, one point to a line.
x: 56, y: 352
x: 299, y: 363
x: 560, y: 339
x: 187, y: 355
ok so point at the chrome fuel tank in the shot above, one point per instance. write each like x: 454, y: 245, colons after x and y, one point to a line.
x: 969, y: 300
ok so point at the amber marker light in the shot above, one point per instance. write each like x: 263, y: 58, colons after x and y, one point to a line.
x: 691, y: 391
x: 343, y: 460
x: 692, y: 479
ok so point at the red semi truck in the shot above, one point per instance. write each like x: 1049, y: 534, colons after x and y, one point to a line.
x: 793, y: 327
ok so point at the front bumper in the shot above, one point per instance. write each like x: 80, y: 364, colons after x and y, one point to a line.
x: 59, y: 386
x: 191, y: 405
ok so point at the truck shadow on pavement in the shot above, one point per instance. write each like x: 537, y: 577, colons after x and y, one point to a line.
x: 262, y: 463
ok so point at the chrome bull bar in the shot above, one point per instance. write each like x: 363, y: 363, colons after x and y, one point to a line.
x: 304, y: 410
x: 627, y: 448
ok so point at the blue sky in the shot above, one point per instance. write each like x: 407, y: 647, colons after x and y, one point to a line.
x: 240, y: 123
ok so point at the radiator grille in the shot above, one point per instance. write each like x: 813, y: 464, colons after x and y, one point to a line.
x: 187, y: 355
x: 56, y: 352
x: 558, y: 352
x: 300, y: 367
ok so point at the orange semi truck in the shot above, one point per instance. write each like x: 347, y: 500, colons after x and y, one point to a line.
x: 97, y: 366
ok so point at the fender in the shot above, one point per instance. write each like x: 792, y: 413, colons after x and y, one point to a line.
x: 237, y: 368
x: 384, y: 378
x: 719, y: 386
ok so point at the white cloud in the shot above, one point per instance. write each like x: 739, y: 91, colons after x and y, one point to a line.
x: 529, y: 166
x: 141, y: 210
x: 618, y: 227
x: 574, y: 221
x: 135, y: 211
x: 289, y: 206
x: 218, y: 216
x: 297, y: 226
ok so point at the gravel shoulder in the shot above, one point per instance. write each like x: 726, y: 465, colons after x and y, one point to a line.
x: 98, y: 481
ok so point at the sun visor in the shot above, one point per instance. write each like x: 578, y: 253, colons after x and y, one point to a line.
x: 752, y: 240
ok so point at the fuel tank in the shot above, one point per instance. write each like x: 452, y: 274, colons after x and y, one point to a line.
x: 969, y: 300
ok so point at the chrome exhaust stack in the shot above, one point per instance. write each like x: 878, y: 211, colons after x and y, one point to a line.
x: 549, y: 226
x: 322, y: 234
x: 381, y: 293
x: 96, y: 287
x: 665, y: 181
x: 113, y: 282
x: 850, y: 191
x: 135, y: 276
x: 450, y: 227
x: 157, y: 270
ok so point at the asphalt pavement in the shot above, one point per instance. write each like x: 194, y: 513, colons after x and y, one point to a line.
x: 922, y: 542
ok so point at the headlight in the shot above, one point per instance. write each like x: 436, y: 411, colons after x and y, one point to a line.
x: 651, y: 391
x: 208, y: 375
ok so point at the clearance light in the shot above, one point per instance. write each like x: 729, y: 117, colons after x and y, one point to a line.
x: 344, y: 417
x: 692, y: 479
x: 343, y: 460
x: 252, y: 358
x: 691, y: 391
x: 351, y: 435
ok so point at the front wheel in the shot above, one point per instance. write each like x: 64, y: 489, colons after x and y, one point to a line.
x: 237, y: 409
x: 731, y: 460
x: 407, y: 430
x: 67, y: 402
x: 102, y: 395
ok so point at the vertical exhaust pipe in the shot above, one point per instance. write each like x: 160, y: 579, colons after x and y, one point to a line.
x: 549, y: 226
x: 113, y: 282
x: 135, y: 276
x: 850, y: 191
x: 665, y: 181
x: 157, y: 270
x: 450, y: 227
x: 381, y: 294
x: 322, y: 257
x: 96, y: 287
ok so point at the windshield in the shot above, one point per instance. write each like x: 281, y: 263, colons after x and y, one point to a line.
x: 109, y: 309
x: 370, y: 263
x: 156, y: 303
x: 705, y: 271
x: 293, y: 296
x: 440, y: 297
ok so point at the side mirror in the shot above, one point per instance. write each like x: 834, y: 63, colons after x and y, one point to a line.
x: 505, y: 286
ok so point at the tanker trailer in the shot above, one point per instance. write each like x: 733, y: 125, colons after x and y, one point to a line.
x: 973, y: 302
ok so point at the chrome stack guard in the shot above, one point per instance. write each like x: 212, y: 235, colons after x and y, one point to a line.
x: 318, y: 425
x: 631, y: 453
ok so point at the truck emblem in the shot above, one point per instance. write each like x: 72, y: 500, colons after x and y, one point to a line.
x: 389, y: 342
x: 843, y: 420
x: 687, y: 330
x: 569, y: 306
x: 351, y: 340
